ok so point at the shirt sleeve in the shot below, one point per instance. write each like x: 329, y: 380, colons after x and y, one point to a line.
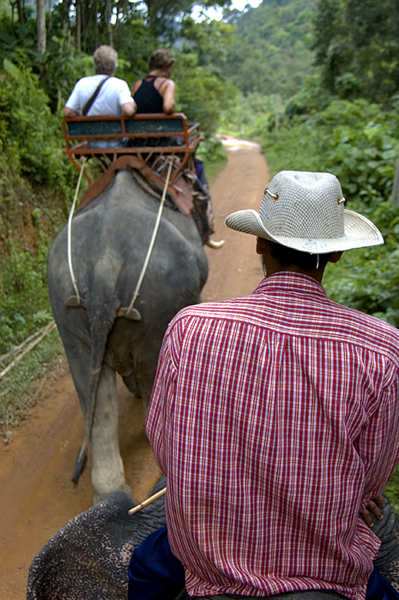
x: 159, y: 423
x: 73, y: 101
x: 124, y: 94
x: 378, y: 444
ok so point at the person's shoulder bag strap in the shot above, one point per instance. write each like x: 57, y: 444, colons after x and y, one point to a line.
x: 92, y: 98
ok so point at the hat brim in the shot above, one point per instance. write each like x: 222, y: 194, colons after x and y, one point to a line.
x: 359, y: 232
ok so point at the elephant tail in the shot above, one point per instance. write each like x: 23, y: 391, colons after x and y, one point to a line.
x: 81, y: 460
x: 100, y: 327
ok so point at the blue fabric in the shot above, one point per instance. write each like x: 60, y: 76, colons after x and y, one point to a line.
x: 379, y: 588
x: 200, y: 171
x: 154, y: 572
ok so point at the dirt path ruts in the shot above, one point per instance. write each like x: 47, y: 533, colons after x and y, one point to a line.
x: 36, y: 494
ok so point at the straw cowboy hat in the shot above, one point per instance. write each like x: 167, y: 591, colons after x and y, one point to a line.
x: 305, y: 211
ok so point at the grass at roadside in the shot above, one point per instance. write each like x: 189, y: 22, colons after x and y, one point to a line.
x: 214, y: 167
x: 214, y: 155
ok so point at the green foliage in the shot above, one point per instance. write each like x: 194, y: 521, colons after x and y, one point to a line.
x: 32, y: 168
x: 17, y: 40
x: 248, y: 116
x: 29, y: 133
x: 58, y: 70
x: 22, y: 386
x: 361, y: 147
x: 209, y: 40
x: 200, y: 91
x: 391, y: 491
x: 270, y: 53
x: 24, y: 302
x: 214, y: 155
x: 358, y: 143
x: 357, y: 45
x: 309, y: 99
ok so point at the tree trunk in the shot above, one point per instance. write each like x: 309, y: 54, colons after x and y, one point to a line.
x: 116, y: 25
x: 96, y: 24
x: 107, y: 18
x: 41, y: 26
x: 78, y: 25
x: 66, y: 4
x: 20, y: 11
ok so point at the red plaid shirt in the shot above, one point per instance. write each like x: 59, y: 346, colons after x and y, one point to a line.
x: 276, y: 419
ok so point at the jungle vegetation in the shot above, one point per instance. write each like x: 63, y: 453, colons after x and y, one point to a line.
x: 316, y: 82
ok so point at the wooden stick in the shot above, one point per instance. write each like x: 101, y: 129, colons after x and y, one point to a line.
x: 149, y: 500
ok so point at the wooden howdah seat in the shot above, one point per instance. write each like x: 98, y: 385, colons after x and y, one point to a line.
x: 152, y: 136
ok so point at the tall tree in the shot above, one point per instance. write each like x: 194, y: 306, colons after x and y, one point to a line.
x: 41, y: 26
x: 20, y: 6
x: 78, y: 8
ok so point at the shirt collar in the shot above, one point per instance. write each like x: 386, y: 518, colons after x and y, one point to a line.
x: 288, y: 281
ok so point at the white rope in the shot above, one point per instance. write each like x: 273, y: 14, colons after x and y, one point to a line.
x: 74, y: 283
x: 46, y: 330
x: 152, y: 242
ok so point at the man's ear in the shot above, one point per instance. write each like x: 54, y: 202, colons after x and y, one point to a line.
x: 335, y: 256
x: 261, y: 245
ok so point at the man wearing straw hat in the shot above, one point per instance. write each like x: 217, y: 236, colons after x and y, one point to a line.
x: 275, y: 416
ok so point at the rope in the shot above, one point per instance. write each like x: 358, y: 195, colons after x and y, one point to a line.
x: 74, y: 282
x: 154, y: 235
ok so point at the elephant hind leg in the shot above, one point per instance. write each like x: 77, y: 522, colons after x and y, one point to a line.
x: 107, y: 473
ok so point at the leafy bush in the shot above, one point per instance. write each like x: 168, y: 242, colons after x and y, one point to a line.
x: 201, y: 93
x: 24, y: 302
x: 358, y: 142
x: 248, y: 115
x: 361, y: 146
x: 214, y: 155
x: 36, y: 185
x: 28, y: 130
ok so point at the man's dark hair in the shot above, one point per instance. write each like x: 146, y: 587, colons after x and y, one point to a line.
x: 161, y: 59
x: 304, y: 260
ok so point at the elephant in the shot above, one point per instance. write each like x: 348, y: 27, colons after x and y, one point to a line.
x: 88, y: 558
x: 109, y: 240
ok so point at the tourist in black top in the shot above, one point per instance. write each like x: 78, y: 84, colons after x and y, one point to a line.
x: 156, y: 92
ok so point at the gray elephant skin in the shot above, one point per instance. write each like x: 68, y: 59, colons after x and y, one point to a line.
x: 109, y: 241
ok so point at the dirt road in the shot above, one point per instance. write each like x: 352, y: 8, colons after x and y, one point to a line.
x: 36, y: 494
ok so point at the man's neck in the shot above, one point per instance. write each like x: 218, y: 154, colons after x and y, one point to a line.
x: 273, y: 266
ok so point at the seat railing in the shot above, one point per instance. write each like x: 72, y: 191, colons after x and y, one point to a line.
x: 81, y: 133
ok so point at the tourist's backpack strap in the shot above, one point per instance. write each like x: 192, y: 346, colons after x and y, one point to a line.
x: 92, y: 98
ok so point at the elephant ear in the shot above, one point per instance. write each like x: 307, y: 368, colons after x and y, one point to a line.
x: 88, y: 558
